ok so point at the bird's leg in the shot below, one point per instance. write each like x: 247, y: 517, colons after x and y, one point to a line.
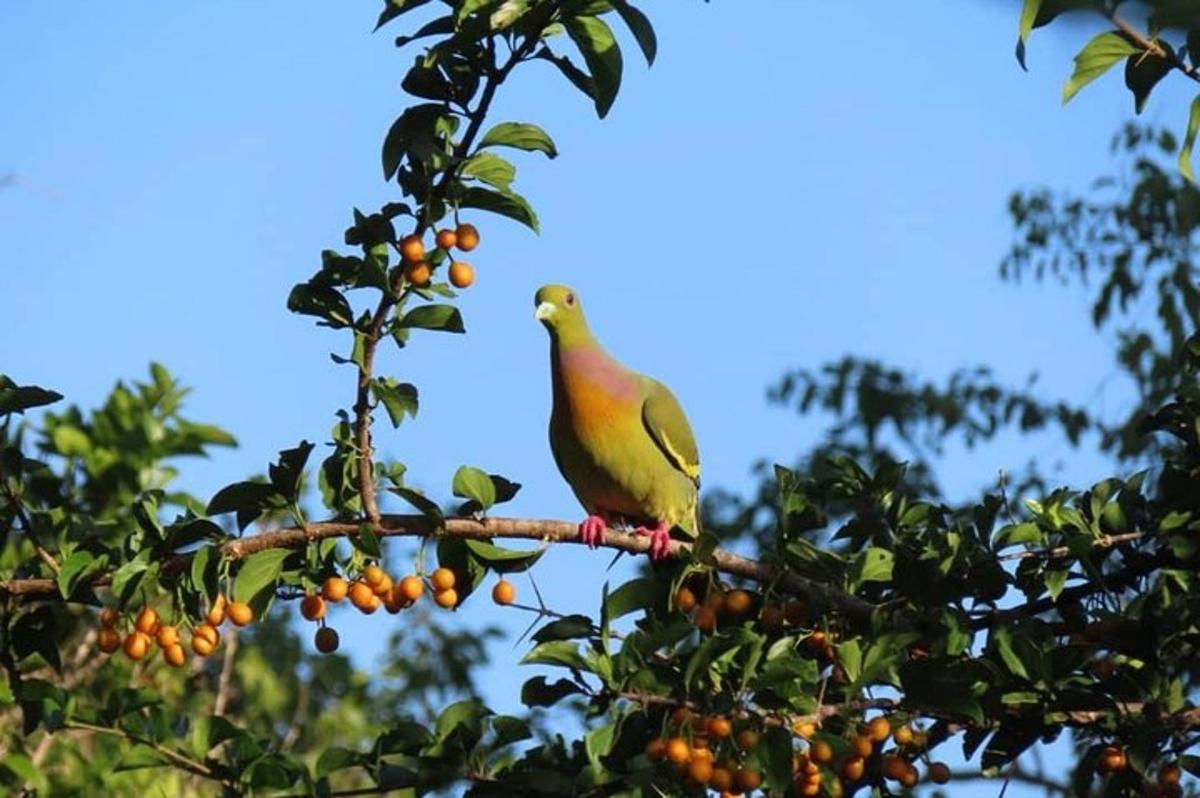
x: 660, y: 539
x: 592, y: 530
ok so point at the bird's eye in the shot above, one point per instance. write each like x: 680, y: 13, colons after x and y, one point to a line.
x: 570, y: 299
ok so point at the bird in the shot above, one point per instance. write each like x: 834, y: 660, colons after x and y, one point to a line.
x: 620, y: 439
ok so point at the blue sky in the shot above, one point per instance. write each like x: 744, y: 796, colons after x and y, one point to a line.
x: 789, y: 183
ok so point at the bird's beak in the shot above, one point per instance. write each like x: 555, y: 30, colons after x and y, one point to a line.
x: 544, y: 311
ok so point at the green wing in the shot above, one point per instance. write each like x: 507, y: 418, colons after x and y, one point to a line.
x: 668, y: 426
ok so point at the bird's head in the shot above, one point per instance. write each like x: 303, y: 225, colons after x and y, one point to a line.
x: 558, y: 307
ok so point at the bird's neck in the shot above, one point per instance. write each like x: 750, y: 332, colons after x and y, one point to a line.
x: 583, y: 372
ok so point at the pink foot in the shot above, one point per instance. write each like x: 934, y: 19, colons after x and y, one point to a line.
x: 660, y: 539
x: 592, y: 530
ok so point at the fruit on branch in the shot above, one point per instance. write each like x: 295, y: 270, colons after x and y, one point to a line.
x: 747, y: 779
x: 418, y: 273
x: 137, y: 645
x: 620, y: 439
x: 167, y: 636
x: 706, y: 619
x: 853, y: 768
x: 862, y: 746
x: 443, y: 579
x: 240, y: 614
x: 410, y: 589
x: 821, y: 752
x: 747, y: 739
x: 109, y: 617
x: 1112, y: 760
x: 363, y: 597
x: 718, y: 727
x: 466, y: 237
x: 446, y: 599
x: 174, y: 655
x: 804, y: 729
x: 412, y: 248
x: 216, y: 613
x: 879, y: 729
x: 326, y: 640
x: 446, y: 239
x: 504, y: 593
x: 108, y: 640
x: 938, y: 772
x: 737, y: 604
x: 903, y: 735
x: 205, y: 638
x: 656, y: 749
x: 147, y: 621
x: 685, y: 599
x: 678, y: 751
x: 313, y: 607
x: 335, y: 589
x: 462, y: 274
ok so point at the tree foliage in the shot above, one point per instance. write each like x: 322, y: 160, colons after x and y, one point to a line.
x: 877, y: 625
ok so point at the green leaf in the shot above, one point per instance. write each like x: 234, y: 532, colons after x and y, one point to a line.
x: 19, y: 398
x: 1189, y: 141
x: 321, y: 301
x: 1029, y: 14
x: 600, y: 52
x: 394, y: 8
x: 473, y: 483
x: 640, y: 27
x: 367, y: 542
x: 1096, y: 58
x: 636, y: 594
x: 23, y: 768
x: 467, y: 715
x: 205, y: 571
x: 70, y: 441
x: 247, y: 499
x: 556, y: 652
x: 138, y: 757
x: 285, y: 475
x: 335, y: 758
x: 258, y: 574
x: 490, y: 168
x: 871, y: 565
x: 598, y: 742
x: 501, y: 560
x: 537, y: 693
x: 522, y: 136
x: 571, y: 627
x: 77, y: 568
x: 507, y: 203
x: 427, y: 507
x: 775, y: 754
x: 1142, y: 72
x: 1002, y: 637
x: 1055, y: 580
x: 398, y: 398
x: 434, y: 317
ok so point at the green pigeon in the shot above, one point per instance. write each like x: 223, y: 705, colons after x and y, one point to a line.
x: 620, y: 439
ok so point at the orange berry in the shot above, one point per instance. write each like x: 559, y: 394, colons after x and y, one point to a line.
x: 804, y: 729
x: 721, y: 778
x: 326, y: 640
x: 312, y: 607
x: 821, y: 752
x: 719, y: 727
x: 167, y: 636
x: 747, y: 739
x: 852, y: 768
x: 109, y: 617
x: 410, y: 588
x: 334, y: 589
x: 685, y: 599
x: 656, y: 749
x: 202, y: 645
x: 207, y: 633
x: 373, y: 575
x: 462, y: 274
x: 700, y: 769
x: 903, y: 735
x: 737, y: 603
x: 862, y: 746
x: 879, y: 729
x: 147, y: 621
x: 772, y: 618
x: 442, y: 579
x: 384, y: 588
x: 240, y: 613
x: 137, y: 645
x: 361, y: 595
x: 910, y: 777
x: 393, y: 603
x: 1112, y: 760
x: 504, y: 592
x: 216, y: 613
x: 108, y: 640
x: 1169, y: 775
x: 446, y: 239
x: 816, y: 642
x: 706, y: 619
x: 418, y: 273
x: 467, y: 237
x: 748, y: 779
x: 412, y: 248
x: 894, y: 767
x: 175, y: 655
x: 678, y: 751
x: 938, y: 773
x: 446, y: 598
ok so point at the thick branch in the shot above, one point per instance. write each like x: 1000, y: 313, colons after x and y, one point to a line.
x: 546, y: 531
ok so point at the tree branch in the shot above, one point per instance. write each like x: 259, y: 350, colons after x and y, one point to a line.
x: 543, y: 530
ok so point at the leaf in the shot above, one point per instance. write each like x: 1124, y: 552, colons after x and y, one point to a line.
x: 640, y: 27
x: 1189, y: 141
x: 600, y: 52
x: 636, y: 594
x: 398, y: 398
x: 1096, y: 58
x: 19, y: 398
x: 76, y: 568
x: 70, y: 441
x: 205, y: 571
x: 569, y: 628
x: 434, y: 317
x: 1029, y: 14
x: 258, y: 574
x: 473, y: 483
x: 138, y: 757
x: 367, y: 542
x: 537, y: 693
x: 872, y: 565
x: 490, y: 168
x: 510, y: 730
x: 579, y: 79
x: 1002, y: 637
x: 467, y: 715
x: 775, y: 754
x: 506, y: 203
x: 1142, y: 72
x: 247, y: 499
x: 501, y: 560
x: 427, y: 508
x: 522, y: 136
x: 285, y: 475
x: 598, y: 742
x: 335, y: 758
x: 321, y: 301
x: 394, y: 8
x: 1055, y: 580
x: 556, y: 652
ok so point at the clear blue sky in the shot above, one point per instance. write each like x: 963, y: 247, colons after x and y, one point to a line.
x: 789, y: 183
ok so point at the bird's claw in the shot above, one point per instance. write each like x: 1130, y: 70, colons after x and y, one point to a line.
x: 592, y: 530
x: 660, y: 540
